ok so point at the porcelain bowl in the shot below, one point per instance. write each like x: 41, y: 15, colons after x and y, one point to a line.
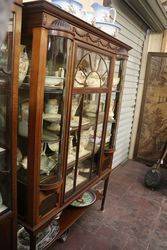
x: 63, y: 4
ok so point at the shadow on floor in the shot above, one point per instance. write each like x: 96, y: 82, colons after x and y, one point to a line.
x: 135, y: 218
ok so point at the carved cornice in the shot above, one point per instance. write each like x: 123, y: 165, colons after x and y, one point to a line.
x: 44, y: 14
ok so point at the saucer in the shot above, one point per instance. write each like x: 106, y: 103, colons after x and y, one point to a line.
x: 51, y: 117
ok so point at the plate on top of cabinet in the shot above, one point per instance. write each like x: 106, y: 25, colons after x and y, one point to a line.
x: 88, y: 198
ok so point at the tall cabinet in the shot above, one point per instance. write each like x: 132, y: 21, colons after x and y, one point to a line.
x: 67, y: 114
x: 9, y: 71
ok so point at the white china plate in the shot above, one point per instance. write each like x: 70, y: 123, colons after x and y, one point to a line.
x: 52, y: 117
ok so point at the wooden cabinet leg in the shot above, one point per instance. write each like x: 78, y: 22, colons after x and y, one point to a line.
x: 32, y: 242
x: 104, y: 193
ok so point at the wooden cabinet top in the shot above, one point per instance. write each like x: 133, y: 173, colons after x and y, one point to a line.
x: 43, y: 14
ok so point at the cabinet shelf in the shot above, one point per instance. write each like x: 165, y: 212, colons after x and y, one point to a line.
x: 48, y: 90
x: 70, y: 215
x: 49, y: 183
x: 82, y: 158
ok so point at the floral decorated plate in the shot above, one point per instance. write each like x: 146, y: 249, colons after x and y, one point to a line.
x: 87, y: 199
x: 43, y: 238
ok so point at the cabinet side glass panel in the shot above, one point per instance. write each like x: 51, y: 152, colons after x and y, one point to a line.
x: 58, y: 55
x: 6, y: 62
x: 23, y: 124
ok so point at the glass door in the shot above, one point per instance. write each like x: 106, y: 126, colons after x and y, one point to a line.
x: 114, y: 103
x: 6, y: 61
x: 87, y: 118
x: 53, y: 117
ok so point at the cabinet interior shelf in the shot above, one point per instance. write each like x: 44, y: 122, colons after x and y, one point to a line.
x: 48, y: 90
x: 82, y: 158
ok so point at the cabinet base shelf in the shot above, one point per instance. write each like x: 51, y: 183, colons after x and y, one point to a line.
x: 69, y: 216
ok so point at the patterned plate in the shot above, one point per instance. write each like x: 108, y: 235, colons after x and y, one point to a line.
x: 43, y: 238
x: 87, y: 199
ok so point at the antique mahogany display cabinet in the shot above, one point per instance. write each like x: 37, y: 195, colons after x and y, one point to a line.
x: 9, y: 71
x: 68, y: 107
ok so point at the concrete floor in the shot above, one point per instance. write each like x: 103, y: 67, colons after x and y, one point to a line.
x: 135, y: 218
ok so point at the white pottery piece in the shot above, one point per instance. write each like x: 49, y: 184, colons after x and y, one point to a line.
x: 1, y: 201
x: 75, y: 104
x: 23, y: 128
x: 54, y: 127
x: 90, y: 107
x: 63, y: 4
x: 71, y: 152
x: 109, y: 28
x: 19, y: 156
x: 54, y: 146
x: 89, y: 17
x: 24, y: 162
x: 93, y: 80
x: 52, y: 117
x: 53, y: 80
x: 23, y: 65
x: 51, y: 107
x: 76, y: 8
x: 102, y: 13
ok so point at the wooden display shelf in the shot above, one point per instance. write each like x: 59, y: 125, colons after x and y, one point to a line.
x: 48, y: 90
x: 50, y: 183
x: 70, y: 215
x: 82, y: 158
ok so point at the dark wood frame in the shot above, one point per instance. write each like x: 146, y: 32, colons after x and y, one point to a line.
x: 38, y: 17
x: 150, y: 55
x: 8, y: 219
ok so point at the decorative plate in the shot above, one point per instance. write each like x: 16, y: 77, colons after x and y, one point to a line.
x: 49, y: 136
x: 43, y: 238
x: 52, y: 117
x: 87, y: 199
x: 75, y: 122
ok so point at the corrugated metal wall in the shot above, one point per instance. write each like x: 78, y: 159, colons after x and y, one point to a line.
x: 133, y: 33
